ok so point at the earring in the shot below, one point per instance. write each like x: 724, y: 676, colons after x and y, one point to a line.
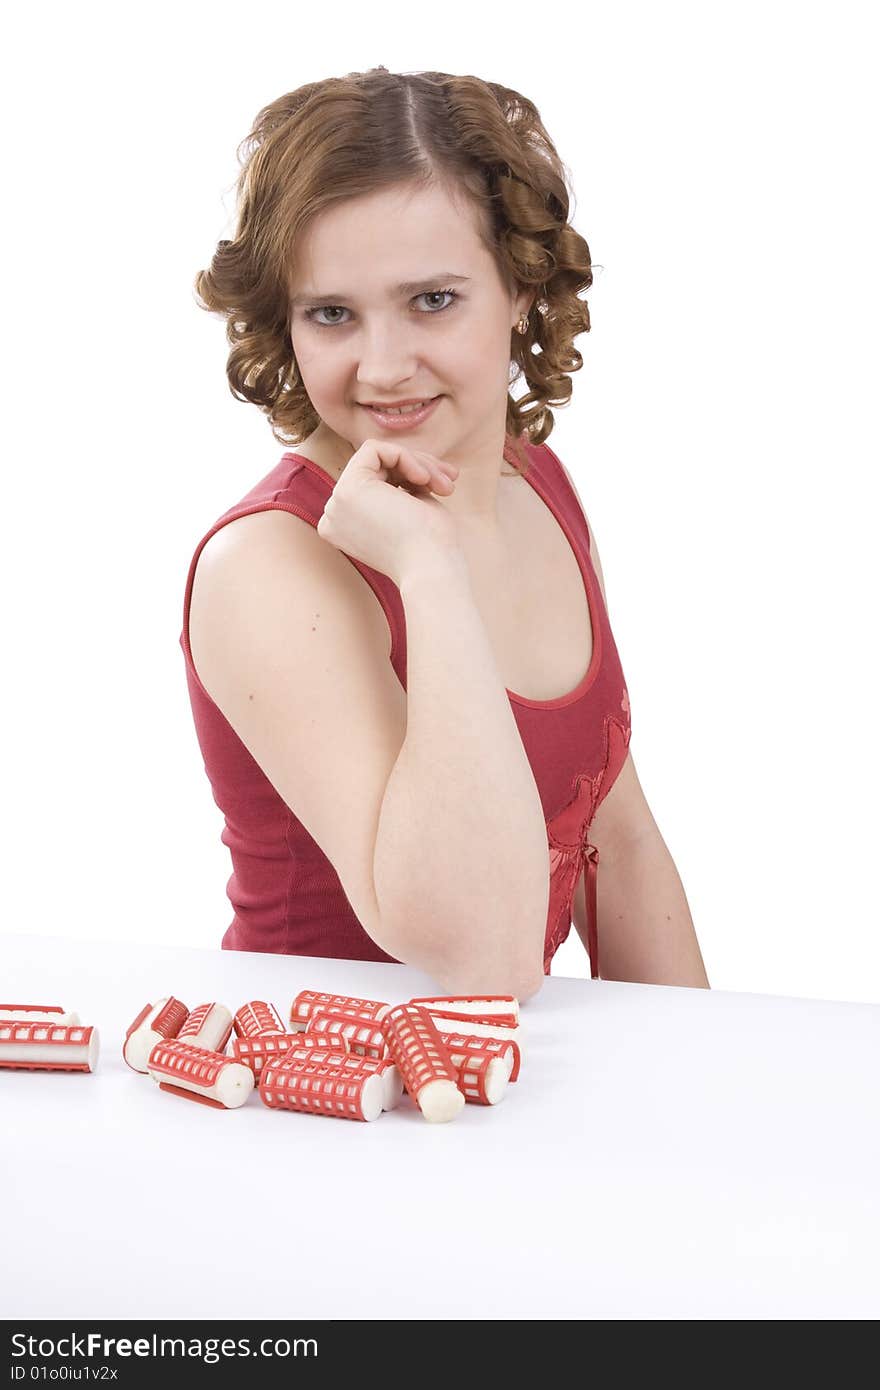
x: 522, y: 324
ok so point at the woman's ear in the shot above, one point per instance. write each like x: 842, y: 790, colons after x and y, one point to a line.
x: 523, y: 304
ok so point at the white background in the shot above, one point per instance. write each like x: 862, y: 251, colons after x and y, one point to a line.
x: 721, y: 434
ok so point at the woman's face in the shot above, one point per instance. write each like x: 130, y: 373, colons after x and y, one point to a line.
x: 395, y: 298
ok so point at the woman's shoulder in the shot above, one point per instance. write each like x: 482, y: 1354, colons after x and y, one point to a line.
x: 267, y: 551
x: 241, y: 537
x: 285, y: 505
x: 576, y: 495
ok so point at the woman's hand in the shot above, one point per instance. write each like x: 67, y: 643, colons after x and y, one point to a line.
x: 382, y: 511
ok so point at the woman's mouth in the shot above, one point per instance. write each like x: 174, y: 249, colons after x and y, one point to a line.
x: 406, y: 418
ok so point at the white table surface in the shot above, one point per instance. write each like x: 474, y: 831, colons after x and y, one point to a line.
x: 666, y: 1153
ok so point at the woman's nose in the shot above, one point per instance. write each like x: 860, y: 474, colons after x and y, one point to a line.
x: 385, y: 359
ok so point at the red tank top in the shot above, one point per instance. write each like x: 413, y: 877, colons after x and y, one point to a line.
x: 286, y: 895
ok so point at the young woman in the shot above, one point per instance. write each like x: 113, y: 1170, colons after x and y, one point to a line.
x: 404, y: 683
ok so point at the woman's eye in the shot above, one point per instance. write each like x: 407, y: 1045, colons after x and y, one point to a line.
x: 450, y: 295
x: 325, y: 308
x: 430, y: 294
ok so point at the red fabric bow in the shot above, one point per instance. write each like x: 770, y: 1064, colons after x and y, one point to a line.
x: 571, y: 851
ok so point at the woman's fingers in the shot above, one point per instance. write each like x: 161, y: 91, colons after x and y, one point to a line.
x: 440, y: 470
x: 440, y: 481
x: 419, y: 470
x: 425, y: 471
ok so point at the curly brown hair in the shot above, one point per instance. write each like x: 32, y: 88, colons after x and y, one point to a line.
x: 352, y: 135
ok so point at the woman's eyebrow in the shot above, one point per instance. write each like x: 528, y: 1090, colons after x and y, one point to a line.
x: 407, y: 287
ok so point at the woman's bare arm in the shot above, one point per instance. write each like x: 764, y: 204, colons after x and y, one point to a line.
x: 461, y: 867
